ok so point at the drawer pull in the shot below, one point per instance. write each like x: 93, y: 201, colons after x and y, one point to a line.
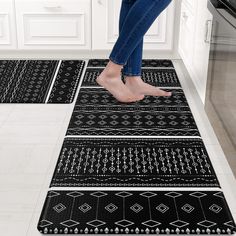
x: 52, y: 6
x: 185, y: 16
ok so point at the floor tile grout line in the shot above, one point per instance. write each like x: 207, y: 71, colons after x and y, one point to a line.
x: 53, y: 81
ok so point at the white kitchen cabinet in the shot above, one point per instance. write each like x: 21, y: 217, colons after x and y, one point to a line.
x: 53, y: 24
x: 87, y: 25
x: 105, y: 14
x: 201, y: 47
x: 186, y: 40
x: 7, y: 25
x: 191, y: 5
x: 194, y: 47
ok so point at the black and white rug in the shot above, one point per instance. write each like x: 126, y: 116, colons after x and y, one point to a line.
x: 164, y: 77
x: 39, y: 81
x: 131, y: 150
x: 94, y: 98
x: 136, y: 212
x: 97, y: 112
x: 97, y: 62
x: 134, y: 162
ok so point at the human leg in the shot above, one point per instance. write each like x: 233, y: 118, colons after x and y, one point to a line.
x: 110, y: 77
x: 132, y: 69
x: 134, y: 62
x: 138, y: 20
x: 131, y: 34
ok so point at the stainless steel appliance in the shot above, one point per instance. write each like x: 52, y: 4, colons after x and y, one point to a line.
x: 220, y: 103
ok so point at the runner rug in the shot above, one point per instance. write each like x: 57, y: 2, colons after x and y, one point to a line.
x: 39, y: 81
x: 97, y: 62
x: 115, y: 155
x: 134, y: 162
x: 157, y: 77
x: 136, y: 212
x: 99, y: 113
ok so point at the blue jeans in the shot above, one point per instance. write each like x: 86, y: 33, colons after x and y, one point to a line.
x: 136, y: 17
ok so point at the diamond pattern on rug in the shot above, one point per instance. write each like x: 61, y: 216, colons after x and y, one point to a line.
x: 157, y: 77
x: 67, y: 81
x: 134, y: 162
x: 145, y: 63
x: 25, y: 81
x: 127, y: 162
x: 136, y: 212
x: 29, y: 81
x: 94, y: 98
x: 97, y: 112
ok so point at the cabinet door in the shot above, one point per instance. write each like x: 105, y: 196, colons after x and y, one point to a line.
x: 7, y: 25
x: 202, y: 47
x: 54, y: 24
x: 191, y: 5
x: 186, y: 37
x: 105, y: 18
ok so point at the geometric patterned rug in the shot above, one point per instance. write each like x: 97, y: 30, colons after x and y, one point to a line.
x: 134, y: 162
x: 158, y: 77
x: 115, y: 155
x: 165, y: 76
x: 136, y: 212
x: 39, y: 81
x: 97, y: 112
x: 145, y: 63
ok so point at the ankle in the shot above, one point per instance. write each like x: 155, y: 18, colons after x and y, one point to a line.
x: 110, y: 75
x: 112, y: 72
x: 132, y: 79
x: 111, y: 67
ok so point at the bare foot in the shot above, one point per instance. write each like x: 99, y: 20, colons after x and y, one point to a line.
x: 138, y: 86
x: 113, y: 83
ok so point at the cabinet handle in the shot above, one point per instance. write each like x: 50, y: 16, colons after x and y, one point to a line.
x: 184, y: 15
x: 207, y: 31
x: 51, y: 5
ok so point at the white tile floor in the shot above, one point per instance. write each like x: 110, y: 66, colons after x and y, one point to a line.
x: 31, y: 137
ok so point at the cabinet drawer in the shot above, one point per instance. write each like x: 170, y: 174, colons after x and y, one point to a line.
x: 52, y: 6
x: 53, y: 23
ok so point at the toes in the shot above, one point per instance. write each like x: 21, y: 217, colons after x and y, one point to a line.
x: 163, y: 93
x: 168, y: 94
x: 142, y: 97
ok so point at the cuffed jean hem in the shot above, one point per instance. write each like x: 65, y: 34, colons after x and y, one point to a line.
x: 131, y: 74
x: 114, y: 61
